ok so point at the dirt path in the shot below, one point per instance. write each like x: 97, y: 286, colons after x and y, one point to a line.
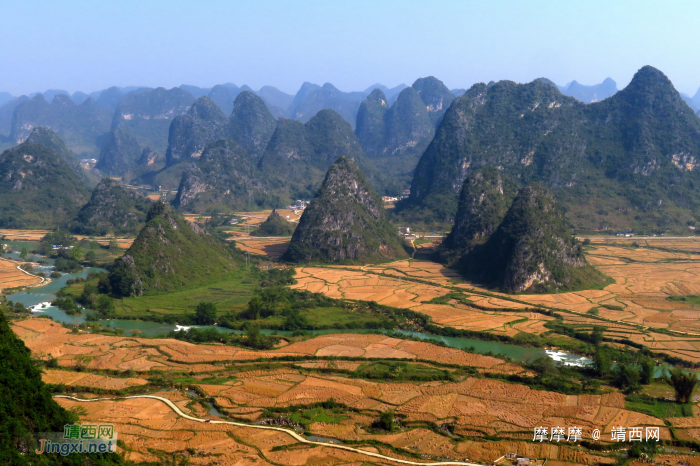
x: 293, y: 434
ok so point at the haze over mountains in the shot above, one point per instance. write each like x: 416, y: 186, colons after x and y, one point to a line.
x: 622, y: 159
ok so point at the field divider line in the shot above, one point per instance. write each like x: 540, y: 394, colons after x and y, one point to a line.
x: 293, y: 434
x: 44, y: 281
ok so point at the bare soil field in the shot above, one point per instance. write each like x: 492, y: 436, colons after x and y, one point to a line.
x: 11, y: 276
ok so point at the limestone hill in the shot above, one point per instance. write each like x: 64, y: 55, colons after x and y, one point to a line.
x: 485, y: 198
x: 112, y: 209
x: 51, y: 140
x: 38, y: 188
x: 170, y: 254
x: 275, y: 225
x: 628, y: 162
x: 345, y: 222
x: 223, y: 179
x: 532, y: 250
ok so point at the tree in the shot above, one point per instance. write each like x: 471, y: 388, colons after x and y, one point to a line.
x: 90, y: 257
x: 77, y: 253
x: 114, y: 246
x: 254, y: 308
x: 386, y: 420
x: 252, y: 333
x: 601, y: 361
x: 627, y: 377
x: 683, y: 383
x: 24, y: 253
x: 205, y: 314
x: 646, y: 371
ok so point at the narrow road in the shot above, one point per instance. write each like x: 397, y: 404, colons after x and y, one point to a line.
x: 293, y: 434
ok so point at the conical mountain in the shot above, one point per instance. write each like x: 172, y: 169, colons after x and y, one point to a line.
x: 370, y: 122
x: 120, y: 152
x: 532, y: 250
x: 38, y: 188
x: 170, y: 254
x: 51, y: 140
x: 623, y: 152
x: 408, y: 126
x: 345, y: 222
x: 483, y: 202
x: 223, y: 179
x: 298, y: 155
x: 251, y: 123
x: 436, y: 96
x: 190, y: 133
x: 112, y: 209
x: 275, y: 225
x: 224, y: 95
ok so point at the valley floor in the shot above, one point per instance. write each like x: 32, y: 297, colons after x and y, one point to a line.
x: 450, y: 404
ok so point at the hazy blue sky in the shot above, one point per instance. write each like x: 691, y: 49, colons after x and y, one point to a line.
x: 91, y: 45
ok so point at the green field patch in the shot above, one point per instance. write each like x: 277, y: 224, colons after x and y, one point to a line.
x: 390, y: 370
x: 309, y: 416
x: 656, y: 407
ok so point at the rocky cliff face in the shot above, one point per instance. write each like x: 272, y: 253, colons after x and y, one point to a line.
x: 112, y: 208
x: 170, y: 254
x: 625, y: 150
x: 531, y: 250
x: 485, y: 198
x: 345, y: 222
x: 225, y: 178
x: 37, y: 188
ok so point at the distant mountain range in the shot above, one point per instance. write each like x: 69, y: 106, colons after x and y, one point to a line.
x: 588, y: 94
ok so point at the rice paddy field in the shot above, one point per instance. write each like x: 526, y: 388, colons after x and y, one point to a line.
x: 448, y: 404
x: 336, y: 387
x: 639, y: 306
x: 12, y: 277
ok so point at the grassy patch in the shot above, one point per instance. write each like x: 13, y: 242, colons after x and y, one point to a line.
x: 688, y: 299
x: 386, y: 370
x: 659, y: 408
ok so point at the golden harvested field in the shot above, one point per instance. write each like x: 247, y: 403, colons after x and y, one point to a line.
x: 48, y: 339
x: 85, y: 379
x: 36, y: 235
x: 644, y: 278
x: 474, y: 406
x: 256, y: 218
x: 272, y: 247
x: 11, y: 277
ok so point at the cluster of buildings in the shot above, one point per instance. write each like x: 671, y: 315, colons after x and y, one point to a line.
x: 298, y: 205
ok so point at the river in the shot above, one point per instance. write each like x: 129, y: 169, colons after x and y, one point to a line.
x: 39, y: 300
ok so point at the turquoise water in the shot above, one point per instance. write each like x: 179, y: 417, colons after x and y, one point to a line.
x: 39, y: 300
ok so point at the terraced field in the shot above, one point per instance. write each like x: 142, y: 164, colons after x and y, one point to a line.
x: 328, y: 390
